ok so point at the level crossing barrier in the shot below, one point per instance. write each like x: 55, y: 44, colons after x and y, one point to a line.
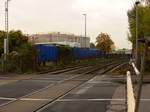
x: 130, y: 94
x: 132, y: 102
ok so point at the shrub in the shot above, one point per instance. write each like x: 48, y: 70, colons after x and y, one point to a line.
x: 27, y: 57
x: 65, y: 54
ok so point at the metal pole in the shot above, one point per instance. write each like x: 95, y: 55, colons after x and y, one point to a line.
x: 137, y: 35
x: 85, y: 28
x: 141, y: 78
x: 7, y: 26
x: 85, y: 31
x: 6, y: 39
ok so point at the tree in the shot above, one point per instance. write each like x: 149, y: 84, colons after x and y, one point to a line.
x: 143, y: 26
x: 2, y: 36
x: 104, y: 42
x: 92, y: 45
x: 143, y: 23
x: 21, y: 53
x: 16, y: 39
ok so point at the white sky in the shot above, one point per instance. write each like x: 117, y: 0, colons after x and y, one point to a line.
x: 43, y: 16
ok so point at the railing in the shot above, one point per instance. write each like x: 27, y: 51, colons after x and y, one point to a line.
x: 135, y: 69
x: 130, y: 94
x: 132, y: 103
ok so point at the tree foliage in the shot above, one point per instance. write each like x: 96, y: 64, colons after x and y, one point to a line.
x: 16, y: 39
x: 92, y: 45
x: 143, y: 22
x: 104, y: 42
x: 21, y: 53
x: 2, y: 36
x: 143, y: 25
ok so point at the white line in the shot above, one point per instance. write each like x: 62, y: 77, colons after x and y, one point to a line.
x: 31, y: 99
x: 99, y: 82
x: 4, y: 77
x: 145, y: 99
x: 83, y: 90
x: 3, y: 98
x: 68, y: 100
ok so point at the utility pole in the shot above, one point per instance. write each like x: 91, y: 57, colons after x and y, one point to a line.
x: 85, y: 15
x: 137, y: 34
x: 6, y: 39
x: 141, y: 76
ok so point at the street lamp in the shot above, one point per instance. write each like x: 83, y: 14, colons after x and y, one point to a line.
x: 7, y: 25
x: 137, y: 35
x: 6, y: 39
x: 85, y: 15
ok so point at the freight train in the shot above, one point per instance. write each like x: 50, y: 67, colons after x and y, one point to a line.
x: 53, y: 53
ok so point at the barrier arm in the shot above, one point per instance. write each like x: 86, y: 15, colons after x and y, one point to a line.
x: 130, y: 94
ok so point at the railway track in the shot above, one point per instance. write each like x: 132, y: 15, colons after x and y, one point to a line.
x: 87, y: 76
x: 51, y: 93
x: 70, y: 68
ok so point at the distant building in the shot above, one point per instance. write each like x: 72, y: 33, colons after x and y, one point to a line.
x: 124, y: 51
x: 66, y: 39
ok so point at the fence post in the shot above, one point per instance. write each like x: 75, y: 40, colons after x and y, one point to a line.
x: 141, y: 77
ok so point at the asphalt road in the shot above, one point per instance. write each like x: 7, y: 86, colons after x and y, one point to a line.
x: 103, y: 93
x: 96, y: 95
x: 27, y: 95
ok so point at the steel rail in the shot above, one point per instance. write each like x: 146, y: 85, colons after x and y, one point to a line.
x: 66, y: 93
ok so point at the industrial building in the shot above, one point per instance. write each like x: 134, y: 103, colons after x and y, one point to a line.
x: 59, y: 38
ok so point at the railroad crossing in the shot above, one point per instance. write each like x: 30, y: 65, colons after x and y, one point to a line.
x: 91, y: 88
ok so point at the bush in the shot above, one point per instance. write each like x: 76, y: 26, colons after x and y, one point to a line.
x: 65, y: 54
x: 27, y: 57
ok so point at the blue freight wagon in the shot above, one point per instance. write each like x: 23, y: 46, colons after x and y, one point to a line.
x: 51, y: 53
x: 83, y: 53
x: 46, y: 52
x: 79, y: 53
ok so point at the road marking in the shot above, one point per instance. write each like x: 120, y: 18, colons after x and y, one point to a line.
x: 4, y: 77
x: 31, y: 99
x: 34, y: 99
x: 68, y: 100
x: 145, y: 99
x: 83, y: 90
x: 3, y: 98
x: 97, y: 100
x: 99, y: 82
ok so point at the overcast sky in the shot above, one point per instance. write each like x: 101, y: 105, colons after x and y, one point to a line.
x: 43, y: 16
